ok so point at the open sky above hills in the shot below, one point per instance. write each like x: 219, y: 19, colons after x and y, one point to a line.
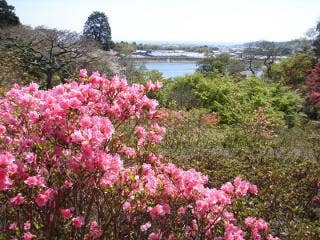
x: 179, y: 20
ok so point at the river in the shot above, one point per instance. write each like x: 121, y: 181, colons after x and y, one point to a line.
x: 170, y: 69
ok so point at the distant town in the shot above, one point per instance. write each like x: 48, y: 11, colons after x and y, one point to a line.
x: 189, y: 52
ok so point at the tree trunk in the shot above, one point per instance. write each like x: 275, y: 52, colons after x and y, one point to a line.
x: 251, y: 69
x: 49, y: 79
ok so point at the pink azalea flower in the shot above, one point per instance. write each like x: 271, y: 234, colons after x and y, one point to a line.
x: 43, y: 198
x: 159, y: 211
x: 35, y: 181
x: 145, y: 227
x: 78, y: 222
x: 27, y: 225
x: 155, y: 236
x: 66, y: 213
x: 141, y: 132
x: 28, y: 236
x: 95, y: 230
x: 126, y: 206
x: 17, y: 200
x: 6, y: 159
x: 13, y: 226
x: 83, y: 73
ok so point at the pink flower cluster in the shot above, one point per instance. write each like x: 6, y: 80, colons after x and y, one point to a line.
x: 258, y: 227
x: 79, y: 161
x: 7, y: 167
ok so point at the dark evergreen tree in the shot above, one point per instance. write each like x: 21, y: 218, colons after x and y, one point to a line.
x: 7, y: 15
x: 97, y: 27
x: 316, y: 43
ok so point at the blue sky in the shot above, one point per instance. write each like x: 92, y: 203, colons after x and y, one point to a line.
x: 180, y: 20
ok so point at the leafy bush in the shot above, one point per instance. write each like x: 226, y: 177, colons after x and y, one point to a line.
x: 79, y: 162
x: 233, y: 101
x: 221, y: 64
x: 293, y: 70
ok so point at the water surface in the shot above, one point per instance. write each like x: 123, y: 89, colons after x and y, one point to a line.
x: 171, y: 69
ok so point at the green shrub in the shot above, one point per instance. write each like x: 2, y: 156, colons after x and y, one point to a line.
x: 293, y: 70
x: 234, y: 101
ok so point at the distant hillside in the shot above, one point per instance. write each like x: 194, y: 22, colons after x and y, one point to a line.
x: 286, y: 47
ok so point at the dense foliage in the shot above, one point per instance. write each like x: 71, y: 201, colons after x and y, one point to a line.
x: 284, y: 163
x: 78, y: 162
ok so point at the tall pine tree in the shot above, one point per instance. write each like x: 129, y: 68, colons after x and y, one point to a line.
x: 316, y: 43
x: 97, y: 27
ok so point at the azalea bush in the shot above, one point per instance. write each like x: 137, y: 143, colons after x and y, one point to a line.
x: 79, y: 161
x: 313, y: 85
